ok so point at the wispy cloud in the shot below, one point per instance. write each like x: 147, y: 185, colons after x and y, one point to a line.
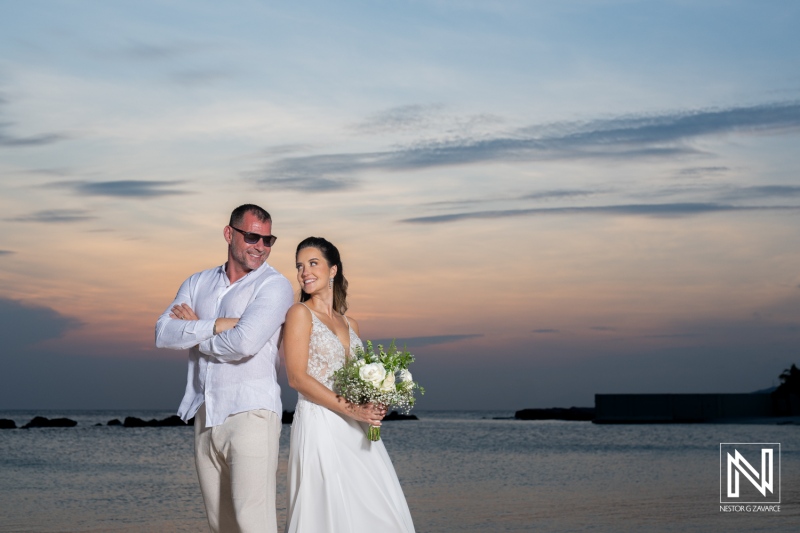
x: 6, y: 252
x: 10, y: 140
x: 308, y: 184
x: 153, y: 52
x: 422, y: 117
x: 32, y: 140
x: 22, y: 324
x: 418, y: 342
x: 55, y: 215
x: 702, y: 171
x: 322, y: 173
x: 559, y: 194
x: 672, y: 336
x: 764, y: 191
x: 202, y: 76
x: 652, y: 210
x: 406, y: 117
x: 555, y: 194
x: 603, y: 328
x: 624, y: 137
x: 545, y: 330
x: 122, y: 188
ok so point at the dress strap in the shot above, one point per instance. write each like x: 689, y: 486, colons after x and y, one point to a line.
x: 313, y: 316
x: 345, y: 319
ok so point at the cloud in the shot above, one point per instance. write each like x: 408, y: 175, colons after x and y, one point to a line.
x: 555, y: 194
x: 406, y: 117
x: 545, y: 330
x: 419, y: 342
x: 202, y: 76
x: 764, y: 191
x: 55, y: 215
x: 653, y: 210
x: 623, y: 137
x: 122, y: 188
x: 560, y: 193
x: 33, y: 140
x: 283, y: 149
x: 675, y: 127
x: 695, y: 171
x: 603, y: 328
x: 14, y: 141
x: 6, y: 252
x: 418, y: 117
x: 308, y: 184
x: 321, y: 173
x: 22, y: 325
x: 153, y: 52
x: 672, y: 336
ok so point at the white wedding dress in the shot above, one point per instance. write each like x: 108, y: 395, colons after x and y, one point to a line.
x: 339, y: 481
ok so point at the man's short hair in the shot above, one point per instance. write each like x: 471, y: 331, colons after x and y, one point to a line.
x: 237, y: 215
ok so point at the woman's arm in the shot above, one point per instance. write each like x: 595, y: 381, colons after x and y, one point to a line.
x: 354, y: 325
x: 297, y: 336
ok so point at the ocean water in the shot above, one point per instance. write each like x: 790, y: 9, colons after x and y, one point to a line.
x: 461, y: 471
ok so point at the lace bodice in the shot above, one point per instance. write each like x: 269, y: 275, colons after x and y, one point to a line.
x: 325, y: 351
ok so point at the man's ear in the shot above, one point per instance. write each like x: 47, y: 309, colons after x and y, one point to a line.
x: 227, y: 232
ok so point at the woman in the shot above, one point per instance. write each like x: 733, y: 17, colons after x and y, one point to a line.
x: 339, y: 481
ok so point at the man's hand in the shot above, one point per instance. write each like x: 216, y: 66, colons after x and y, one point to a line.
x: 224, y: 324
x: 183, y: 312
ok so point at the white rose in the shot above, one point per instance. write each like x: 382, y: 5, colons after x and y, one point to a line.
x: 405, y: 378
x: 372, y: 373
x: 388, y: 383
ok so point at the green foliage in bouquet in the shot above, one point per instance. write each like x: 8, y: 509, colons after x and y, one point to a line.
x: 380, y: 377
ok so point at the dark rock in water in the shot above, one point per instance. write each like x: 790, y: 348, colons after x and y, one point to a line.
x: 190, y: 422
x: 42, y: 422
x: 98, y: 424
x: 394, y: 415
x: 114, y: 422
x: 287, y: 417
x: 582, y: 414
x: 5, y: 423
x: 170, y: 421
x: 134, y: 422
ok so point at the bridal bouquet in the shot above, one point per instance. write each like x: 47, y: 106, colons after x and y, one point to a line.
x: 380, y: 377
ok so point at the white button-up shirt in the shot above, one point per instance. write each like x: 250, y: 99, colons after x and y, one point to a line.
x: 236, y: 370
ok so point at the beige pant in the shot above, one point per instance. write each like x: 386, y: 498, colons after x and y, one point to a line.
x: 237, y: 462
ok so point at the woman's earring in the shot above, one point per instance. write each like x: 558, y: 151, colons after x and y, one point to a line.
x: 330, y: 283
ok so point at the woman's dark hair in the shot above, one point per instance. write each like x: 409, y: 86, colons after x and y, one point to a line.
x: 331, y: 254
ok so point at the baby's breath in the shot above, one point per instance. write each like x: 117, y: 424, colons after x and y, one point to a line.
x: 348, y: 382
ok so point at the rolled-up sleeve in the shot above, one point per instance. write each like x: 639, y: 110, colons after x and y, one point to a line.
x: 182, y: 334
x: 262, y: 318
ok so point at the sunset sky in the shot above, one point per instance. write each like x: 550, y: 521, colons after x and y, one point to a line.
x: 544, y: 200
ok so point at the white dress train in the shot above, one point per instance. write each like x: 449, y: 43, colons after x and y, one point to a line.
x: 339, y: 481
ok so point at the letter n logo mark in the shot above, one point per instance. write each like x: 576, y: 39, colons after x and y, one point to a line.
x: 736, y: 465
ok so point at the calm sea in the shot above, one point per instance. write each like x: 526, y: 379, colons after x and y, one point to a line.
x: 461, y: 471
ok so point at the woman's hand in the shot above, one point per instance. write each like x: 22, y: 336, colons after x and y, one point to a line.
x: 371, y: 413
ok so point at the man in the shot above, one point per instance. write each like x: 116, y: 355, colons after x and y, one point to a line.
x: 232, y: 387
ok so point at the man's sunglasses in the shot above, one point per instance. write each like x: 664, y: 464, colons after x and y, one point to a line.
x: 252, y: 238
